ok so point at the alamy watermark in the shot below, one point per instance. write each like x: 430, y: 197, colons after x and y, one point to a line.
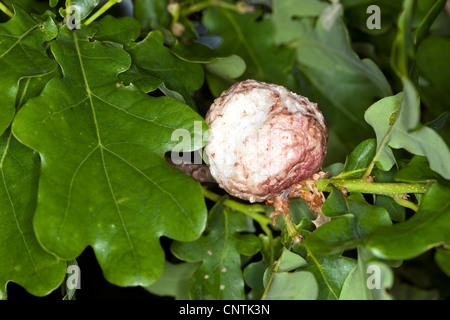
x: 374, y: 20
x: 180, y: 151
x: 374, y: 277
x: 73, y: 277
x: 73, y: 17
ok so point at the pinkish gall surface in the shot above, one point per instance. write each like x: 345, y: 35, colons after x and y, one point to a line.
x: 263, y: 139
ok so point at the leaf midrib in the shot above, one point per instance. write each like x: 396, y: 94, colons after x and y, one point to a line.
x: 322, y: 273
x: 241, y: 38
x: 101, y: 147
x: 338, y: 106
x: 355, y: 61
x: 90, y: 97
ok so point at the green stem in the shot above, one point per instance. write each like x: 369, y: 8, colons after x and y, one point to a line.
x: 196, y: 7
x: 269, y: 282
x: 174, y: 10
x: 422, y: 30
x: 346, y: 174
x: 209, y: 3
x: 101, y: 11
x: 371, y: 165
x: 228, y: 6
x: 253, y: 211
x: 406, y: 203
x: 365, y: 186
x: 291, y: 229
x: 392, y: 189
x: 6, y: 10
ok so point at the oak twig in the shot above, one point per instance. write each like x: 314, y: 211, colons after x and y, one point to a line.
x: 199, y: 172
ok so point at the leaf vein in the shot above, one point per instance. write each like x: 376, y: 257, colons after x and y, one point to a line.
x: 18, y: 41
x: 13, y: 209
x: 132, y: 114
x: 89, y: 93
x: 153, y: 182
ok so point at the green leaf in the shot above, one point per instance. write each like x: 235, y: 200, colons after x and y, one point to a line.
x: 84, y: 7
x: 334, y: 169
x: 104, y: 182
x: 330, y: 273
x: 196, y: 52
x: 442, y: 258
x: 22, y: 54
x: 348, y: 228
x: 253, y: 275
x: 174, y: 281
x: 360, y: 158
x: 161, y: 64
x: 396, y: 212
x: 231, y: 67
x: 152, y: 14
x: 381, y: 116
x: 171, y: 93
x: 250, y: 38
x: 358, y: 161
x: 31, y: 6
x: 299, y: 285
x: 254, y: 271
x: 289, y: 261
x: 222, y: 72
x: 335, y: 205
x: 285, y: 14
x: 333, y: 237
x: 280, y: 284
x: 119, y: 30
x: 325, y: 58
x: 417, y: 170
x: 395, y: 120
x: 220, y: 275
x: 23, y: 260
x: 427, y: 228
x: 298, y: 211
x: 368, y: 217
x: 141, y: 79
x: 433, y: 71
x: 30, y: 87
x: 369, y: 280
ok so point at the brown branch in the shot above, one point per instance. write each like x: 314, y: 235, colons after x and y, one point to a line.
x: 199, y: 172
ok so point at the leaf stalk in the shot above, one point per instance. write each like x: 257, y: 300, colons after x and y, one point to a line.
x: 395, y: 190
x: 101, y: 11
x: 240, y: 6
x: 366, y: 186
x: 292, y: 230
x: 253, y: 211
x: 5, y: 10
